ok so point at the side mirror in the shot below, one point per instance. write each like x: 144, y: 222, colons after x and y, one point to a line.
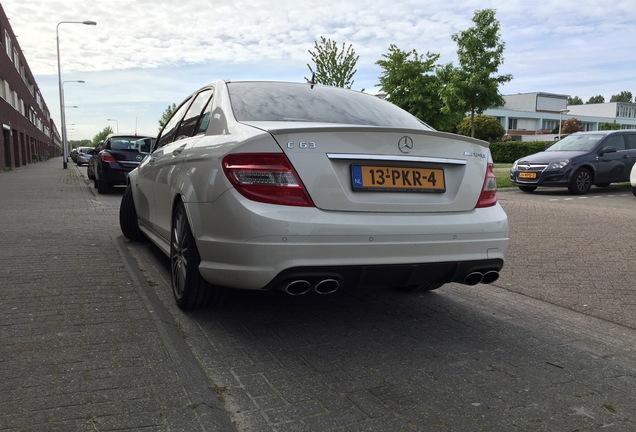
x: 608, y: 149
x: 145, y: 145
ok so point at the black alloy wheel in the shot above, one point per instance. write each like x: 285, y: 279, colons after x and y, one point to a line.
x: 189, y: 288
x: 128, y: 222
x: 581, y: 182
x: 102, y: 186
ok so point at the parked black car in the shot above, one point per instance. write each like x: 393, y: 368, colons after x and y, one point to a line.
x: 114, y: 158
x: 579, y: 161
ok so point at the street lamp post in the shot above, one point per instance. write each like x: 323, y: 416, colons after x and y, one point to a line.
x: 116, y: 122
x: 561, y: 112
x: 61, y: 89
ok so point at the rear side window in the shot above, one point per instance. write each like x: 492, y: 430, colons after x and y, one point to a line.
x: 630, y: 141
x: 192, y: 118
x: 168, y: 133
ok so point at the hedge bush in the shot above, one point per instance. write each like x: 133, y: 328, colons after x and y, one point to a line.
x: 508, y: 152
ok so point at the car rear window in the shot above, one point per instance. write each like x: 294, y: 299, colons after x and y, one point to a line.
x: 252, y: 101
x: 124, y: 143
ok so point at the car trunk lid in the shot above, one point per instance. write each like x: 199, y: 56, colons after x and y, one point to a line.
x: 377, y: 169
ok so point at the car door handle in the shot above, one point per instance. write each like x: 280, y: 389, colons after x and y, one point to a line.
x: 177, y: 152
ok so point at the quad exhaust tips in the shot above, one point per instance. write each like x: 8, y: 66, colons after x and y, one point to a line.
x: 319, y: 286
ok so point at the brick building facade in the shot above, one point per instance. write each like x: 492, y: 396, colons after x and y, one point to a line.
x: 28, y: 132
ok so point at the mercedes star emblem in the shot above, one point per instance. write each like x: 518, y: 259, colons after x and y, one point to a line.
x: 405, y: 144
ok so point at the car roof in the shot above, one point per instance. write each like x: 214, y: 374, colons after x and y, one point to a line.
x: 605, y: 132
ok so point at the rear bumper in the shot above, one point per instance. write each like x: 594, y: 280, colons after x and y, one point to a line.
x: 395, y: 275
x: 113, y: 174
x: 249, y: 245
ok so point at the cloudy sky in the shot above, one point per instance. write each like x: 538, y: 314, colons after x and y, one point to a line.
x: 144, y: 55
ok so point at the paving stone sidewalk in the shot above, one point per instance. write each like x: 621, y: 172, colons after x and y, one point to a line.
x: 81, y: 347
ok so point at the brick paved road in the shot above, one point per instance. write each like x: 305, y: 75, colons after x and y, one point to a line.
x: 506, y: 357
x: 80, y: 350
x: 112, y: 352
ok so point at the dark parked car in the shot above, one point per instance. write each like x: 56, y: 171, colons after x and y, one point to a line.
x: 114, y: 158
x: 579, y: 161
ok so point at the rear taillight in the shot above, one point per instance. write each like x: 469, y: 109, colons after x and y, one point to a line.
x: 108, y: 158
x: 266, y: 177
x: 488, y: 196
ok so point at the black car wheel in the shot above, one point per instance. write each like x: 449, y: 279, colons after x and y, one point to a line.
x: 527, y: 188
x: 581, y: 182
x: 189, y: 288
x: 128, y: 217
x: 102, y: 186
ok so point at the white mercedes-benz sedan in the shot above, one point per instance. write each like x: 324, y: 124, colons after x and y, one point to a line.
x: 303, y: 187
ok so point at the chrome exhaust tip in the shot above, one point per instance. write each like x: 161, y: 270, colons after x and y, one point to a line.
x: 297, y: 287
x: 473, y: 278
x: 490, y: 277
x: 327, y: 286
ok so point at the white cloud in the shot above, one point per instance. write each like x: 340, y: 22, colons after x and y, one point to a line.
x: 147, y: 54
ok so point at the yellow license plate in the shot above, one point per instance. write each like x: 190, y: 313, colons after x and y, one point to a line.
x: 397, y: 179
x: 528, y: 175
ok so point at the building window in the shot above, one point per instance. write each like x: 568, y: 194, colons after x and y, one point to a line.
x: 550, y: 124
x: 8, y: 45
x: 16, y: 60
x: 512, y: 123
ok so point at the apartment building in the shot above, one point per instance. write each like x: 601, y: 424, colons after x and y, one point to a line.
x: 28, y: 132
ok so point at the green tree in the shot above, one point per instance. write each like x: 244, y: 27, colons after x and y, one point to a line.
x: 609, y: 126
x: 409, y: 81
x: 596, y: 99
x: 575, y: 101
x: 483, y: 127
x: 572, y: 125
x: 624, y: 96
x: 72, y: 144
x: 166, y: 115
x: 474, y: 86
x: 101, y: 135
x: 332, y: 66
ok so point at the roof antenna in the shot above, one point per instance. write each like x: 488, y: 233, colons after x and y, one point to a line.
x: 313, y: 80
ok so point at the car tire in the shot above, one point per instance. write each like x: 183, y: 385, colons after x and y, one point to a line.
x: 527, y: 188
x: 102, y: 186
x: 190, y: 290
x: 634, y: 190
x: 128, y: 222
x: 90, y: 175
x: 581, y: 182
